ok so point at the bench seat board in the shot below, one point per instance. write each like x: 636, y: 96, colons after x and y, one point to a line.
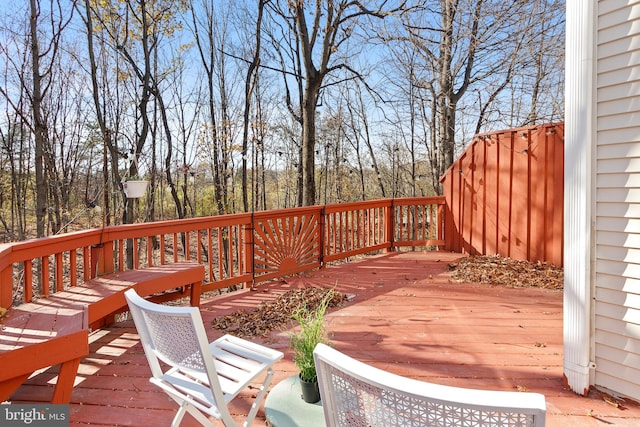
x: 107, y: 292
x: 40, y: 321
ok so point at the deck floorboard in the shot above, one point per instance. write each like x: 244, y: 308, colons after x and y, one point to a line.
x: 407, y: 316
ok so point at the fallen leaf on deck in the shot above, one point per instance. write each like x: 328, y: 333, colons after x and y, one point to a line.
x: 504, y: 271
x: 270, y: 315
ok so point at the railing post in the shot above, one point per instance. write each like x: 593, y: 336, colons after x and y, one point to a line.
x: 451, y: 236
x: 389, y: 225
x: 102, y: 259
x: 27, y: 281
x: 6, y: 288
x: 248, y: 251
x: 443, y: 222
x: 321, y: 230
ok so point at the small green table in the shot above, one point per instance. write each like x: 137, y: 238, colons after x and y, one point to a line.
x: 284, y: 406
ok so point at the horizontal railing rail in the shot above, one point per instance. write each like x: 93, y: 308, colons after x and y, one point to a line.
x: 236, y: 249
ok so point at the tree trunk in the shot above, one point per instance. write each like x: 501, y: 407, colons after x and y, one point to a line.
x: 39, y: 126
x: 445, y: 106
x: 309, y: 142
x: 248, y: 91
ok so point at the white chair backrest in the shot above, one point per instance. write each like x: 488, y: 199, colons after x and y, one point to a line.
x: 356, y: 394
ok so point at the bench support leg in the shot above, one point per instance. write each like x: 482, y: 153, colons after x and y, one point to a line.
x: 66, y: 379
x: 196, y: 290
x: 7, y: 387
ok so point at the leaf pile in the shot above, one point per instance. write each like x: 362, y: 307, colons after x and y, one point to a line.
x: 503, y: 271
x: 270, y: 315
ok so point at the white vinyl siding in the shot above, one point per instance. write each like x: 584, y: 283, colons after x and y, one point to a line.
x: 617, y: 211
x: 618, y: 136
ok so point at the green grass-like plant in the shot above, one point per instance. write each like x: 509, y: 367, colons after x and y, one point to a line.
x: 312, y: 331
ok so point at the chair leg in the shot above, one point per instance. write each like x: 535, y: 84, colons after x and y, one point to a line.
x: 195, y: 413
x: 202, y: 418
x: 179, y: 415
x: 259, y: 397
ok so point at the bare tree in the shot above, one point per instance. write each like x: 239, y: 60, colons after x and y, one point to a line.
x: 15, y: 152
x: 322, y: 30
x: 87, y: 18
x: 135, y: 28
x: 546, y: 52
x: 358, y: 122
x: 67, y: 153
x: 15, y: 134
x: 41, y: 80
x: 249, y: 85
x: 188, y: 102
x: 466, y: 47
x: 209, y: 26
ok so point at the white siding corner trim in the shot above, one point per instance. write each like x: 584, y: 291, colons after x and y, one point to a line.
x: 578, y: 201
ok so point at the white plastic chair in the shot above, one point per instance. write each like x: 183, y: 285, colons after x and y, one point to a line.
x: 201, y: 377
x: 357, y: 394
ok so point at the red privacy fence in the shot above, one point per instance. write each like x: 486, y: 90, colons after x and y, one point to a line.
x: 504, y: 195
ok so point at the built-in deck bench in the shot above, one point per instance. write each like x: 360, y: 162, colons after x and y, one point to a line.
x: 54, y: 330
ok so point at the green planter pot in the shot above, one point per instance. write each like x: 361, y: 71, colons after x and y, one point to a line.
x: 310, y: 391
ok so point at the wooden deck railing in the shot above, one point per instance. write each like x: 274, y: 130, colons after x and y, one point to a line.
x: 235, y: 249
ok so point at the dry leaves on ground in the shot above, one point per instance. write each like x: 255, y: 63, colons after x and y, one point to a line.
x: 270, y: 315
x: 497, y: 270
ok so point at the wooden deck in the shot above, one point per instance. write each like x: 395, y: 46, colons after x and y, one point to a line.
x: 407, y: 317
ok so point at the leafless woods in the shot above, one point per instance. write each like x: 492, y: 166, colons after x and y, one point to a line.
x: 228, y: 105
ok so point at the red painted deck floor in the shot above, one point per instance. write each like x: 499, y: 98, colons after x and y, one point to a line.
x: 407, y: 317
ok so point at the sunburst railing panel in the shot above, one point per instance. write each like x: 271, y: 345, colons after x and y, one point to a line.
x: 287, y: 243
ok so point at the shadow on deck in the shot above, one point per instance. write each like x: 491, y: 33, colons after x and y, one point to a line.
x: 407, y: 316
